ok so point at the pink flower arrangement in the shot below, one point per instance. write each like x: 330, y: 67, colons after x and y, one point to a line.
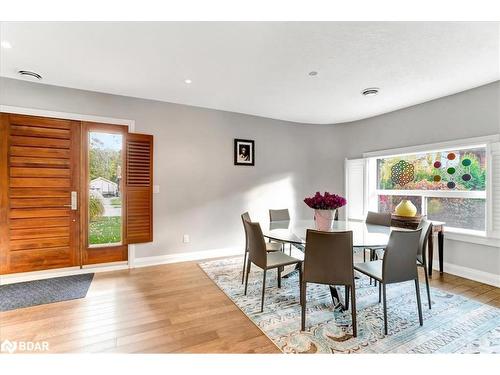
x: 325, y: 202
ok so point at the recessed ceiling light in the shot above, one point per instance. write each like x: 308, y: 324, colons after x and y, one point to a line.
x: 188, y: 81
x: 27, y: 73
x: 372, y: 91
x: 313, y: 73
x: 6, y: 44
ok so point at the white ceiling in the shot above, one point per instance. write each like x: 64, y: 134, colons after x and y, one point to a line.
x: 261, y: 68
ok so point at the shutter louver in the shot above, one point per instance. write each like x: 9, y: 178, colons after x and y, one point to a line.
x: 494, y: 205
x: 139, y: 182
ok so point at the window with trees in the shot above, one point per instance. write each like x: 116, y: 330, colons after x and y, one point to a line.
x: 446, y: 185
x: 105, y: 198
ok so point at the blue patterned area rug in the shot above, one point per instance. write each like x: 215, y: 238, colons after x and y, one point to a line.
x: 455, y: 324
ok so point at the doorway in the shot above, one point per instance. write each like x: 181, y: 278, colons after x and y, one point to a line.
x: 72, y: 193
x: 104, y: 200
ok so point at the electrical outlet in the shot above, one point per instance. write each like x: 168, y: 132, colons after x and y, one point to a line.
x: 185, y: 238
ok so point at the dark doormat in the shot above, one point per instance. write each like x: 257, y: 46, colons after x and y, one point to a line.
x: 40, y: 292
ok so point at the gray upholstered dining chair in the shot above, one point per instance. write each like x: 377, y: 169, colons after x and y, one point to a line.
x: 426, y: 227
x: 280, y: 215
x: 397, y: 266
x: 258, y: 256
x: 329, y: 260
x: 379, y: 218
x: 376, y: 218
x: 273, y: 246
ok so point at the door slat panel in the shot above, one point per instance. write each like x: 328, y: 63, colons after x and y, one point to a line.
x: 39, y: 142
x: 38, y: 243
x: 40, y: 122
x: 39, y: 202
x: 23, y: 161
x: 40, y: 259
x: 41, y: 232
x: 39, y: 182
x: 39, y: 172
x: 45, y: 222
x: 39, y: 152
x: 39, y: 193
x: 32, y: 131
x: 21, y: 213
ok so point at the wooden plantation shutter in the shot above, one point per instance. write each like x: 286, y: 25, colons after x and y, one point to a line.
x: 139, y: 185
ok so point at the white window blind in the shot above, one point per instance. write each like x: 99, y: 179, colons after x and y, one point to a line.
x: 355, y: 188
x: 494, y: 191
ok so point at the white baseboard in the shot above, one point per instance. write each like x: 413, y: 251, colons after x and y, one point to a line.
x: 59, y: 272
x: 465, y: 272
x: 185, y: 257
x: 469, y: 273
x: 116, y: 266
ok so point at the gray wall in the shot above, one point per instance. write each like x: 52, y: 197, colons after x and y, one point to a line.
x: 471, y: 113
x: 201, y: 192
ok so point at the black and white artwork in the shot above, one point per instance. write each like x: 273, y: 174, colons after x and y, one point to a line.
x: 244, y: 152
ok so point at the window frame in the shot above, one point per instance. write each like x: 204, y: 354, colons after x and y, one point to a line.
x: 480, y: 142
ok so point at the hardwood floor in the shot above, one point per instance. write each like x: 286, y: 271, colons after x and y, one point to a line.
x: 171, y: 308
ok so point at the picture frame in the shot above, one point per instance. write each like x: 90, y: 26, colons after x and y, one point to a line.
x: 244, y: 152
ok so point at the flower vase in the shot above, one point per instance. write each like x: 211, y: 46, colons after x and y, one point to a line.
x: 324, y: 219
x: 406, y: 208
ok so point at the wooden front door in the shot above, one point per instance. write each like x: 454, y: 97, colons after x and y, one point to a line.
x: 39, y: 182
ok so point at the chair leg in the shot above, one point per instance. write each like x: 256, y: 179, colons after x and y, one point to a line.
x: 385, y: 308
x: 353, y: 310
x: 249, y: 264
x: 303, y: 289
x: 427, y: 285
x: 379, y: 292
x: 300, y: 284
x: 279, y: 269
x: 373, y: 257
x: 347, y: 297
x: 244, y: 267
x: 419, y: 303
x: 263, y: 291
x: 334, y: 294
x: 364, y: 260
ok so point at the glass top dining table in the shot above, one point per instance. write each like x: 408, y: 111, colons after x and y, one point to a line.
x: 294, y: 232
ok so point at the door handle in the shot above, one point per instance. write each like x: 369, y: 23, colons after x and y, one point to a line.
x: 74, y: 201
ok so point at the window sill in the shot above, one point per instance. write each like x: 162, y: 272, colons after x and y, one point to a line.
x: 479, y: 238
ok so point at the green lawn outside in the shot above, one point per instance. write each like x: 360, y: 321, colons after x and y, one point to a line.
x: 106, y: 229
x: 116, y: 202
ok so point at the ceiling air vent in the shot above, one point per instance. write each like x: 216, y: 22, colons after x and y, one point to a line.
x: 372, y: 91
x: 27, y: 73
